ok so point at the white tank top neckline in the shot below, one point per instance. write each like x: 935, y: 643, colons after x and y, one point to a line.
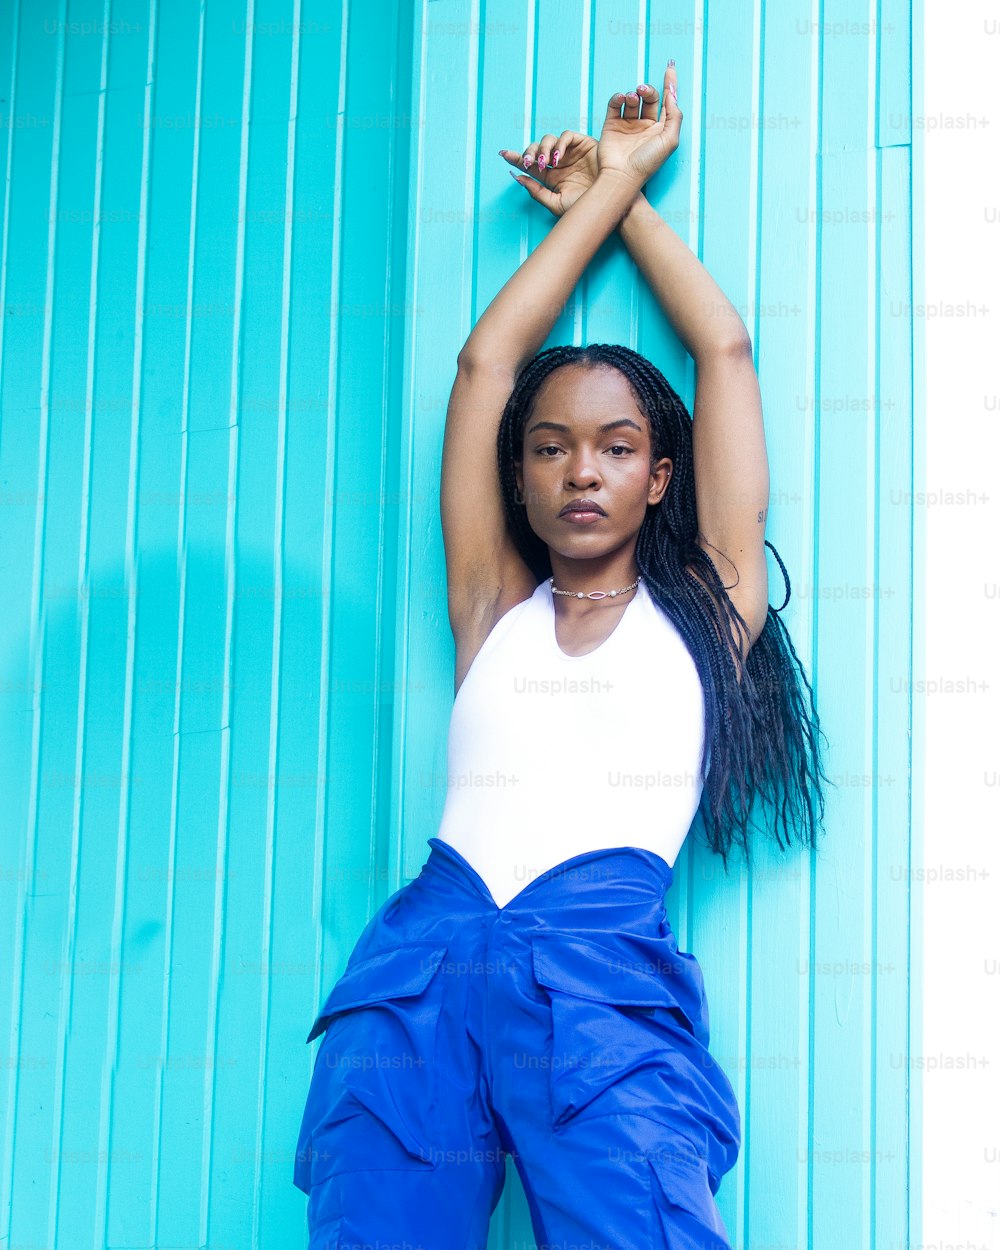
x: 550, y: 597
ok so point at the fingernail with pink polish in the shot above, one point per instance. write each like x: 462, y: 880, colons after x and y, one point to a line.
x: 555, y: 157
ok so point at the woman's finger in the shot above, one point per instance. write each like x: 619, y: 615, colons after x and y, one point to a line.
x: 670, y: 88
x: 537, y: 192
x: 563, y: 144
x: 650, y: 102
x: 615, y: 105
x: 527, y: 159
x: 631, y: 106
x: 518, y: 159
x: 552, y: 148
x: 546, y: 146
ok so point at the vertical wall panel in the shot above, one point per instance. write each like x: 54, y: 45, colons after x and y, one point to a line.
x: 242, y: 244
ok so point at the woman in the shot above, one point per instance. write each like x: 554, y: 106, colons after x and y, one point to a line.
x: 607, y: 590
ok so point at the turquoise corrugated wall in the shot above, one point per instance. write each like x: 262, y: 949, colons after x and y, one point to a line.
x: 242, y: 245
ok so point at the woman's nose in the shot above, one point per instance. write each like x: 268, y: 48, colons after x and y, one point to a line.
x: 583, y: 472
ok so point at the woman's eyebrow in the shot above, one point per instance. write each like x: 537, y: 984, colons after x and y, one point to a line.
x: 601, y: 429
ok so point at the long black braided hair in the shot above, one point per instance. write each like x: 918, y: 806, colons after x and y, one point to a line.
x: 761, y: 732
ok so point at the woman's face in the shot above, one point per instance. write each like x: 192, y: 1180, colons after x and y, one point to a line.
x: 567, y: 456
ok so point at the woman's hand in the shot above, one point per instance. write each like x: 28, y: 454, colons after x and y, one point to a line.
x: 563, y: 168
x: 637, y: 146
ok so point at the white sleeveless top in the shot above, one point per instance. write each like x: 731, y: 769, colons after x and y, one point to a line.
x: 551, y: 755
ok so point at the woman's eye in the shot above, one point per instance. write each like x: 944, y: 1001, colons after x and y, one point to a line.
x: 617, y: 447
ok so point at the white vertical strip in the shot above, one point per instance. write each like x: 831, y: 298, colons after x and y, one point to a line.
x: 956, y: 119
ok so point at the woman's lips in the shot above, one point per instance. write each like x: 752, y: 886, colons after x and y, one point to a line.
x: 582, y: 518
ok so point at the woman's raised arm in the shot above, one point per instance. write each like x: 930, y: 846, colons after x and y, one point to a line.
x: 522, y: 313
x: 631, y: 149
x: 485, y: 572
x: 732, y: 482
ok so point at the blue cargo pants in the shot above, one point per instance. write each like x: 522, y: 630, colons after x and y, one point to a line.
x: 565, y: 1029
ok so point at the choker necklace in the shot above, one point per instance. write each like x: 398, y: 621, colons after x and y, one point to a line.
x: 593, y: 594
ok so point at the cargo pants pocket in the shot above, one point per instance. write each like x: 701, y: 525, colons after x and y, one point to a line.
x: 612, y: 1020
x: 685, y: 1213
x: 373, y: 1101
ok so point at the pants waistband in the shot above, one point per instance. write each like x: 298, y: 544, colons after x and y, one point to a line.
x: 614, y: 870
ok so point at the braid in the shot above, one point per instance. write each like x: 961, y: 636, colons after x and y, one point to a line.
x: 761, y: 732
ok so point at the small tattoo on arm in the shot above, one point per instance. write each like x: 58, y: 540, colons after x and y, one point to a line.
x: 762, y: 515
